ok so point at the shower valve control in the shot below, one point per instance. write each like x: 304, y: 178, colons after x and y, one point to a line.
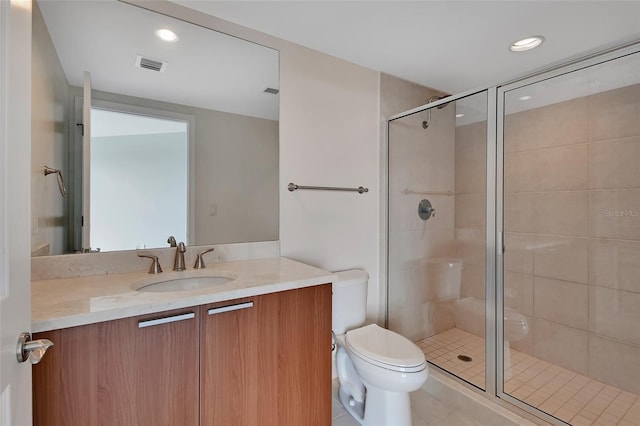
x: 426, y: 210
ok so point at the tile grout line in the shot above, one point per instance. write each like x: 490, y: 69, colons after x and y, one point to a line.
x: 605, y: 408
x: 577, y: 392
x: 595, y: 398
x: 539, y: 388
x: 637, y: 399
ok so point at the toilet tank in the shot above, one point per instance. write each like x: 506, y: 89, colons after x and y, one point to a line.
x: 349, y: 301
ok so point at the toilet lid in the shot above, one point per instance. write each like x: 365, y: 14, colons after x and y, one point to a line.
x: 385, y: 348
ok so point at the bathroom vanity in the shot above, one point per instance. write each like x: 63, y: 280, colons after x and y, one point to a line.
x: 254, y: 350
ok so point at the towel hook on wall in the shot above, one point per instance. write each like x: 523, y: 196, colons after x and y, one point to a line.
x: 49, y: 170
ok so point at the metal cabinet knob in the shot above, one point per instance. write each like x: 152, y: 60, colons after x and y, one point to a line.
x: 33, y: 350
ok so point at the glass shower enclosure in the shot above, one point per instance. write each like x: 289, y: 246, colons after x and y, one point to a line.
x: 513, y: 221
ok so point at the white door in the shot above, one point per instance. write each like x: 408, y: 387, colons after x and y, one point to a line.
x: 15, y: 194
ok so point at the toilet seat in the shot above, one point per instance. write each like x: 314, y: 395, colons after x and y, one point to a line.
x: 386, y: 349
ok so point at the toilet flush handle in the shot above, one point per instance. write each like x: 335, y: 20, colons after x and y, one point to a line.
x: 333, y: 341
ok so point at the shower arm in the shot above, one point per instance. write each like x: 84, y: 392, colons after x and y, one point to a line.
x: 425, y: 123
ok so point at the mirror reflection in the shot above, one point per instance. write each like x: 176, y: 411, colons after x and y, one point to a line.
x: 180, y: 136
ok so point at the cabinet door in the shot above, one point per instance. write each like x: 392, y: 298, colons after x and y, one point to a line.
x: 295, y: 355
x: 65, y: 388
x: 135, y: 371
x: 266, y: 360
x: 229, y: 363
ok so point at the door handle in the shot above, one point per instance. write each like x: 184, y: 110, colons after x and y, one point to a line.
x: 166, y: 320
x: 229, y: 308
x: 33, y: 350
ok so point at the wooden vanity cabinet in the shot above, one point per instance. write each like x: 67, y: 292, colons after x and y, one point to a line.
x: 263, y: 360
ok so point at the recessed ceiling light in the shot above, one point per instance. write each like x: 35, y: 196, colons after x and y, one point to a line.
x: 166, y: 35
x: 525, y: 97
x: 459, y: 115
x: 526, y: 43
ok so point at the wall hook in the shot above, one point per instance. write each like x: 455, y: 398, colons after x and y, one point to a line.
x: 49, y: 170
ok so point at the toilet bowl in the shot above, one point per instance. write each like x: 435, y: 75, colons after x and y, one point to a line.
x: 377, y: 368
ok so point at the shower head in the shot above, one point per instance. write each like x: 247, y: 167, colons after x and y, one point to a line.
x: 425, y: 123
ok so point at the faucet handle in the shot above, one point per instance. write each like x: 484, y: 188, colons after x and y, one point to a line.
x: 155, y: 265
x: 199, y: 262
x: 171, y: 241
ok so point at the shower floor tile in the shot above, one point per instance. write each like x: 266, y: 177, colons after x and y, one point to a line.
x: 569, y: 396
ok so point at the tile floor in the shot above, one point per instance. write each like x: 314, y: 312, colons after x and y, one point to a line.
x: 426, y: 411
x: 569, y: 396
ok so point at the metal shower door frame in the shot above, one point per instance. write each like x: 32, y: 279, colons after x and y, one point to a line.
x: 573, y: 66
x: 490, y: 231
x: 494, y: 244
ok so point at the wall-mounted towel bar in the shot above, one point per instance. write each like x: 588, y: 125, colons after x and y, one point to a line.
x: 48, y: 171
x: 292, y: 187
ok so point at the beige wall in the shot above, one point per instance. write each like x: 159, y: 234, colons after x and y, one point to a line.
x: 572, y: 222
x: 236, y: 169
x: 421, y: 165
x: 329, y: 137
x: 49, y: 136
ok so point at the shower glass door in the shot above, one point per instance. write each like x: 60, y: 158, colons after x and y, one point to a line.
x: 571, y: 264
x: 437, y: 231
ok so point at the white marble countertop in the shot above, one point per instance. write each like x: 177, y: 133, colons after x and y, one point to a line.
x: 69, y: 302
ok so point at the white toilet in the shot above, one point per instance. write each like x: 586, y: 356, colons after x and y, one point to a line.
x: 377, y: 368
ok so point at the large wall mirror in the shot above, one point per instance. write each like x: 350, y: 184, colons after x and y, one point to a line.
x: 151, y: 137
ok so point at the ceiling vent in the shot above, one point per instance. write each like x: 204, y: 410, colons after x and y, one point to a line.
x: 150, y: 64
x: 271, y: 90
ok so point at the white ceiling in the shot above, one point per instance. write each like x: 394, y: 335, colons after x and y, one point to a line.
x: 206, y: 69
x: 453, y: 46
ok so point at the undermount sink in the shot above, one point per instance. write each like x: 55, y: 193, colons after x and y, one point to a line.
x: 185, y: 284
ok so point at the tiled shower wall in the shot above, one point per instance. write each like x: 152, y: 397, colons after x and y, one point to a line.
x: 470, y: 200
x: 572, y: 231
x: 572, y: 222
x: 421, y: 162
